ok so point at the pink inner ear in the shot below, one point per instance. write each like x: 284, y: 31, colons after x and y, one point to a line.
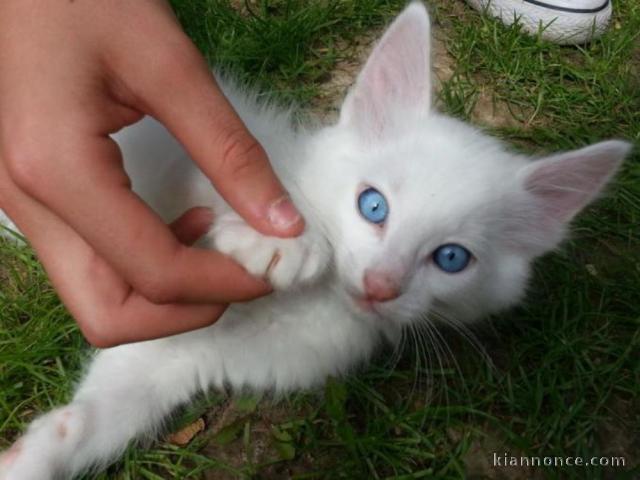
x: 568, y: 182
x: 396, y: 80
x: 561, y: 195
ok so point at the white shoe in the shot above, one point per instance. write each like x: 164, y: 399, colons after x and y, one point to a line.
x: 561, y: 21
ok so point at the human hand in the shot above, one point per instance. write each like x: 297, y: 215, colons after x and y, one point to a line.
x: 72, y: 73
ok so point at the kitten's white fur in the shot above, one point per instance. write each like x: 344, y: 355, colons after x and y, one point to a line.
x: 445, y: 181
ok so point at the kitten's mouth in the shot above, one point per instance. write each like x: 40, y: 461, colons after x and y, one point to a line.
x: 364, y: 303
x: 367, y: 305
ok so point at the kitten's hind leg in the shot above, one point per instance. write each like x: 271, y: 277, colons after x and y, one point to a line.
x: 127, y: 393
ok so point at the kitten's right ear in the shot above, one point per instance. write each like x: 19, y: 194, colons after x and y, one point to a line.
x: 396, y: 80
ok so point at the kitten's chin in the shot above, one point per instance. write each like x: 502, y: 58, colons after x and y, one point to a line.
x: 396, y: 312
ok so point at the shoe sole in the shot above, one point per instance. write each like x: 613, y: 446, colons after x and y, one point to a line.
x: 557, y: 24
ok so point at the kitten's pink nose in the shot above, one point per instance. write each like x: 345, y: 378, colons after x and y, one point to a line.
x: 380, y: 286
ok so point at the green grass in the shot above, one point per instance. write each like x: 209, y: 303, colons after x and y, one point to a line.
x: 564, y: 371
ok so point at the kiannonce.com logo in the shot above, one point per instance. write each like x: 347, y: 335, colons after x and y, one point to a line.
x: 506, y: 460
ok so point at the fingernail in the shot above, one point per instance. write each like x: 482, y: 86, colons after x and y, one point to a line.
x: 283, y: 214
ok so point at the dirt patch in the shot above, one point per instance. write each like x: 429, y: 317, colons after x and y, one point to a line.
x: 244, y: 7
x: 4, y: 275
x: 244, y: 433
x: 488, y: 110
x: 444, y: 64
x: 492, y: 112
x: 352, y: 58
x: 485, y: 458
x: 618, y: 434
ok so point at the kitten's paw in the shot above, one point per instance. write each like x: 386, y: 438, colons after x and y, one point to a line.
x: 15, y: 465
x: 282, y: 261
x: 8, y: 458
x: 48, y: 445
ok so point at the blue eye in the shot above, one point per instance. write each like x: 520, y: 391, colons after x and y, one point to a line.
x: 373, y: 206
x: 451, y: 258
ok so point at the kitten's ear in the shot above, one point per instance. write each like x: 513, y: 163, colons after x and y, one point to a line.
x: 396, y: 80
x: 564, y: 184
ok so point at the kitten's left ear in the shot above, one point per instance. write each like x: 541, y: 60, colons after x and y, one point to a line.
x: 396, y: 80
x: 563, y: 184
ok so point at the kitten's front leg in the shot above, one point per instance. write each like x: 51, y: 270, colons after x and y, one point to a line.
x: 284, y: 262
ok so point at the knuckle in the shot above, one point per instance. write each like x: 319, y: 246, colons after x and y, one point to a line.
x: 157, y: 288
x: 159, y: 280
x: 23, y: 160
x: 178, y: 59
x: 241, y: 154
x: 99, y: 341
x: 97, y: 334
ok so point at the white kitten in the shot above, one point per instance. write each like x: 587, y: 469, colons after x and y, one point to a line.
x: 408, y: 213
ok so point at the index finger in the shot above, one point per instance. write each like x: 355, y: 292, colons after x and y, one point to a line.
x: 181, y: 92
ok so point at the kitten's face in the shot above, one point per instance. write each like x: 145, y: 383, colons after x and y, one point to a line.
x: 419, y: 224
x: 429, y: 214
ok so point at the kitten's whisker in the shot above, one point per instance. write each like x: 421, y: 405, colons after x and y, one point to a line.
x: 426, y: 344
x: 416, y: 361
x: 452, y: 355
x: 396, y: 353
x: 467, y: 334
x: 425, y: 328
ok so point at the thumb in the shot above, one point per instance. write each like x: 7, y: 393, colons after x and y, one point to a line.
x: 192, y: 224
x: 179, y: 90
